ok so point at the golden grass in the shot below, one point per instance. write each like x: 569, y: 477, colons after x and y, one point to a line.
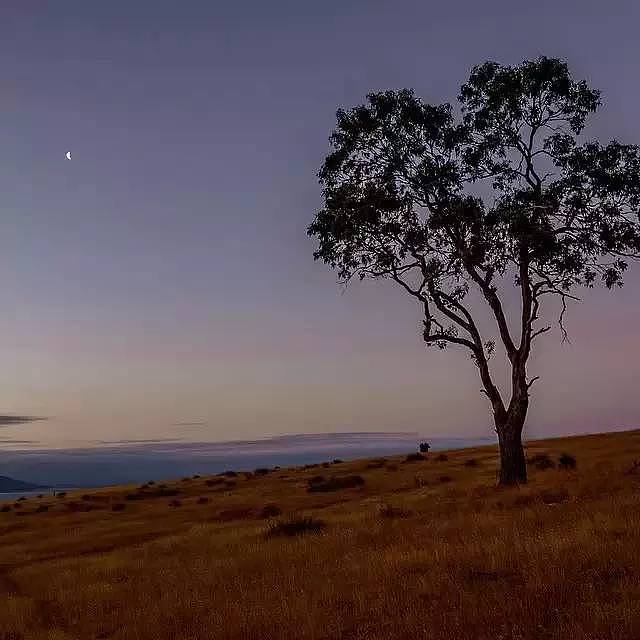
x: 405, y: 555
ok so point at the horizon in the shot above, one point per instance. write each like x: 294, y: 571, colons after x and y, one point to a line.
x: 161, y: 285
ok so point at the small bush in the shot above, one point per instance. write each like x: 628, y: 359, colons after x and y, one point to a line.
x: 186, y: 479
x: 424, y: 447
x: 442, y: 457
x: 175, y: 503
x: 21, y: 499
x: 326, y: 465
x: 376, y: 464
x: 162, y: 486
x: 337, y: 461
x: 42, y: 508
x: 203, y: 500
x: 316, y: 479
x: 212, y: 482
x: 61, y: 494
x: 389, y: 511
x: 295, y: 526
x: 554, y: 497
x: 634, y: 469
x: 230, y: 484
x: 248, y: 475
x: 157, y: 493
x: 40, y: 495
x: 118, y: 506
x: 5, y: 508
x: 270, y: 511
x: 391, y: 467
x: 196, y: 476
x: 419, y: 481
x: 262, y: 471
x: 567, y: 461
x: 336, y: 483
x: 445, y: 479
x: 86, y: 496
x: 151, y: 483
x: 541, y: 461
x: 471, y: 462
x: 228, y: 474
x: 414, y: 457
x: 17, y: 505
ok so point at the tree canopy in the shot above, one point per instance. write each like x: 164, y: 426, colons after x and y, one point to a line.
x: 442, y: 200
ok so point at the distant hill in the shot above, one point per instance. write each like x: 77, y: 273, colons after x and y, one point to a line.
x: 9, y: 484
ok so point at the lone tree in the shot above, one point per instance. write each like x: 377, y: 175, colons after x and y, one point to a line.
x: 507, y: 192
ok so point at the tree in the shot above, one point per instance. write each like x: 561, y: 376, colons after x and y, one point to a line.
x: 506, y: 192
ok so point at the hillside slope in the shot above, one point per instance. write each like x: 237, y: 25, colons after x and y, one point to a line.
x: 413, y: 549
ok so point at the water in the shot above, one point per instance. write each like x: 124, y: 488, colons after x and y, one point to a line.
x: 134, y: 462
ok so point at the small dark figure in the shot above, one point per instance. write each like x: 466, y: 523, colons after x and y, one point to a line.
x: 424, y: 447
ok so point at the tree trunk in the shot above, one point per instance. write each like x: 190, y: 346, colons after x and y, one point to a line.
x: 513, y: 467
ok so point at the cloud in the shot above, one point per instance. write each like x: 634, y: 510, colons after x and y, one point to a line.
x: 8, y: 420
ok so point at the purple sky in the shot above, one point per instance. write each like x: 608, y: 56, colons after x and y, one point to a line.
x: 164, y: 276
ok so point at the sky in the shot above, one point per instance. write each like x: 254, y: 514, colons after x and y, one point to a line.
x: 161, y: 283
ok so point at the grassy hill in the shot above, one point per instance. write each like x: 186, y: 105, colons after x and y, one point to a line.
x: 369, y: 549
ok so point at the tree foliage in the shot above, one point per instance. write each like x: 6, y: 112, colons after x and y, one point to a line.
x: 441, y: 201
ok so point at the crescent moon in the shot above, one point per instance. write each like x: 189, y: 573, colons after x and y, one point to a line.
x: 68, y: 155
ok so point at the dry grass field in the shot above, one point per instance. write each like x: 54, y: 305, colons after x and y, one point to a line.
x: 420, y: 549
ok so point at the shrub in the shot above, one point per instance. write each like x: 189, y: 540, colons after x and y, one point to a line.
x: 228, y: 474
x: 541, y: 461
x: 203, y: 500
x: 40, y: 495
x: 212, y: 482
x: 326, y: 465
x: 42, y: 508
x: 444, y: 479
x: 248, y: 475
x: 175, y: 503
x: 337, y: 461
x: 391, y: 467
x: 270, y: 511
x: 230, y: 484
x: 5, y: 508
x: 196, y: 476
x: 336, y: 483
x: 262, y: 471
x: 424, y: 447
x: 471, y: 462
x: 118, y: 506
x: 21, y: 499
x: 17, y: 505
x: 442, y: 457
x: 162, y: 486
x: 376, y: 464
x: 554, y: 497
x: 389, y: 511
x: 157, y: 493
x: 414, y: 457
x: 295, y: 526
x: 86, y: 496
x: 316, y: 479
x: 634, y: 469
x: 186, y: 479
x: 61, y: 494
x: 419, y: 481
x: 567, y: 461
x: 151, y: 483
